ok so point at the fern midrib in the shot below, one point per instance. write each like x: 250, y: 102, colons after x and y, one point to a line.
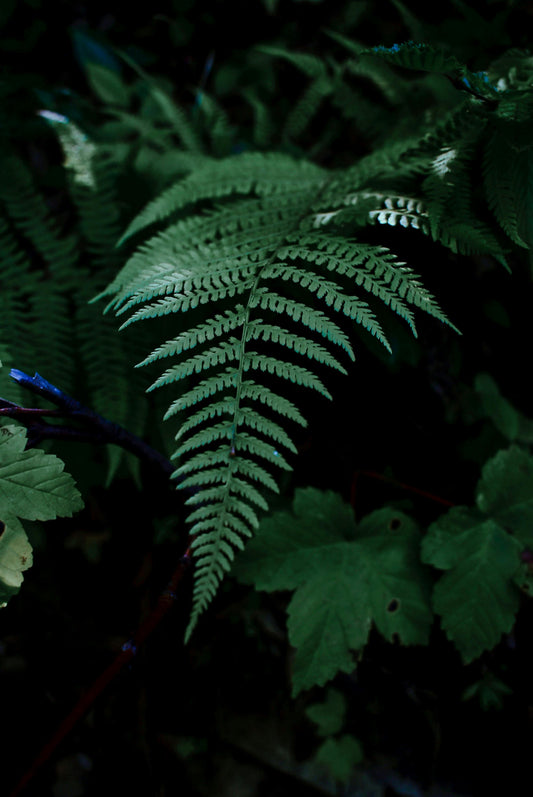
x: 248, y: 308
x: 238, y: 395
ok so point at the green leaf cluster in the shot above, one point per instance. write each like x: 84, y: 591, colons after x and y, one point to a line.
x: 33, y: 486
x: 480, y: 551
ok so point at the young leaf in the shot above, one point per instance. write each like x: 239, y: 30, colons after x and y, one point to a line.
x: 329, y: 715
x: 340, y: 756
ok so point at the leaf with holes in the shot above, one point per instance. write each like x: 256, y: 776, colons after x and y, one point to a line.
x: 346, y: 577
x: 15, y: 557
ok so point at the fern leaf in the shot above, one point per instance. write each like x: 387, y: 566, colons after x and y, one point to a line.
x: 238, y: 486
x: 217, y: 355
x: 266, y: 174
x: 305, y: 346
x: 413, y: 55
x: 509, y: 187
x: 250, y: 257
x: 211, y: 329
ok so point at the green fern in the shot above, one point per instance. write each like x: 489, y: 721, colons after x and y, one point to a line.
x: 263, y: 283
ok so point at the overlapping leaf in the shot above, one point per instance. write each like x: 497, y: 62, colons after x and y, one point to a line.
x: 479, y: 550
x: 33, y: 486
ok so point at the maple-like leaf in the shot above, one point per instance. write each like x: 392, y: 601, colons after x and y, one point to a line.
x: 476, y: 598
x: 505, y: 492
x: 346, y: 578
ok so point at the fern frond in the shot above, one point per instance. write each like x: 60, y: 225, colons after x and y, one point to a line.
x: 508, y: 177
x: 250, y: 257
x: 305, y: 346
x: 213, y: 328
x: 414, y: 55
x: 266, y: 174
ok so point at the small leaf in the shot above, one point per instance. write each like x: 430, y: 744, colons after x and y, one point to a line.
x: 107, y: 84
x: 329, y: 715
x: 15, y: 557
x: 511, y: 423
x: 340, y: 756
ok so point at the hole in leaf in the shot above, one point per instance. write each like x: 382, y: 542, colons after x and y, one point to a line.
x: 2, y: 527
x: 526, y: 586
x: 395, y: 524
x: 393, y: 606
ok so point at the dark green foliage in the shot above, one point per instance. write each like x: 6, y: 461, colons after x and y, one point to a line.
x: 33, y: 486
x: 269, y: 245
x: 276, y: 192
x: 257, y: 236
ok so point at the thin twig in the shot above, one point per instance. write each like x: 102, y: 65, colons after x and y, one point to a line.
x: 127, y: 653
x: 374, y: 475
x: 98, y: 429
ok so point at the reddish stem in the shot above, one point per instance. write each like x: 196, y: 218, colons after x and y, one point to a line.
x: 373, y: 475
x: 164, y: 603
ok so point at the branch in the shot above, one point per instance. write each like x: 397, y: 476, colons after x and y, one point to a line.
x: 128, y: 651
x: 97, y: 428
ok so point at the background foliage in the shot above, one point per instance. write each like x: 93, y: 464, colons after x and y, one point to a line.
x: 132, y: 103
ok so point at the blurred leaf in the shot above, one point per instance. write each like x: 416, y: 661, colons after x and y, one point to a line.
x: 489, y: 691
x: 340, y: 756
x: 108, y: 85
x: 329, y: 715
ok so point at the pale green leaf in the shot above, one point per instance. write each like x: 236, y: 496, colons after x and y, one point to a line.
x: 15, y: 557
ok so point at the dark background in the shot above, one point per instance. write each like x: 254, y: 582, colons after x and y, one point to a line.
x: 217, y: 717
